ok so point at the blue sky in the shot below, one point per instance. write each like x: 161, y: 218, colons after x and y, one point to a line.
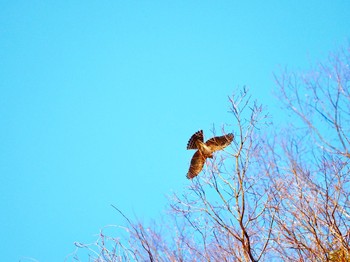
x: 99, y: 98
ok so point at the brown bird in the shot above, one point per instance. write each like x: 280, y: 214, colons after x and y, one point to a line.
x: 205, y: 150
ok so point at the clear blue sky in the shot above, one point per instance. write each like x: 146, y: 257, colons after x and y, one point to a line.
x: 99, y: 98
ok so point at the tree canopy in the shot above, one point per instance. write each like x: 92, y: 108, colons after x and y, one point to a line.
x: 276, y: 193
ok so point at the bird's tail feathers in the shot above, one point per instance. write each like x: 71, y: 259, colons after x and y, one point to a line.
x: 191, y: 144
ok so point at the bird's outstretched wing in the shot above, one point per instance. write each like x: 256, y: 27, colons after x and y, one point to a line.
x: 219, y: 142
x: 191, y: 144
x: 197, y: 163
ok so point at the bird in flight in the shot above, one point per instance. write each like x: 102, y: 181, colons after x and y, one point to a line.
x: 205, y: 150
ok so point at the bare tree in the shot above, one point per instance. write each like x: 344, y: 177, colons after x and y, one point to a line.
x: 311, y: 161
x: 227, y: 207
x: 273, y: 195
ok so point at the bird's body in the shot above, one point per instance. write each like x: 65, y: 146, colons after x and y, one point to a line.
x: 205, y: 150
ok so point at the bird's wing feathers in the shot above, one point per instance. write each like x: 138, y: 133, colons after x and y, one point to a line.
x: 191, y: 144
x: 219, y: 142
x: 196, y: 166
